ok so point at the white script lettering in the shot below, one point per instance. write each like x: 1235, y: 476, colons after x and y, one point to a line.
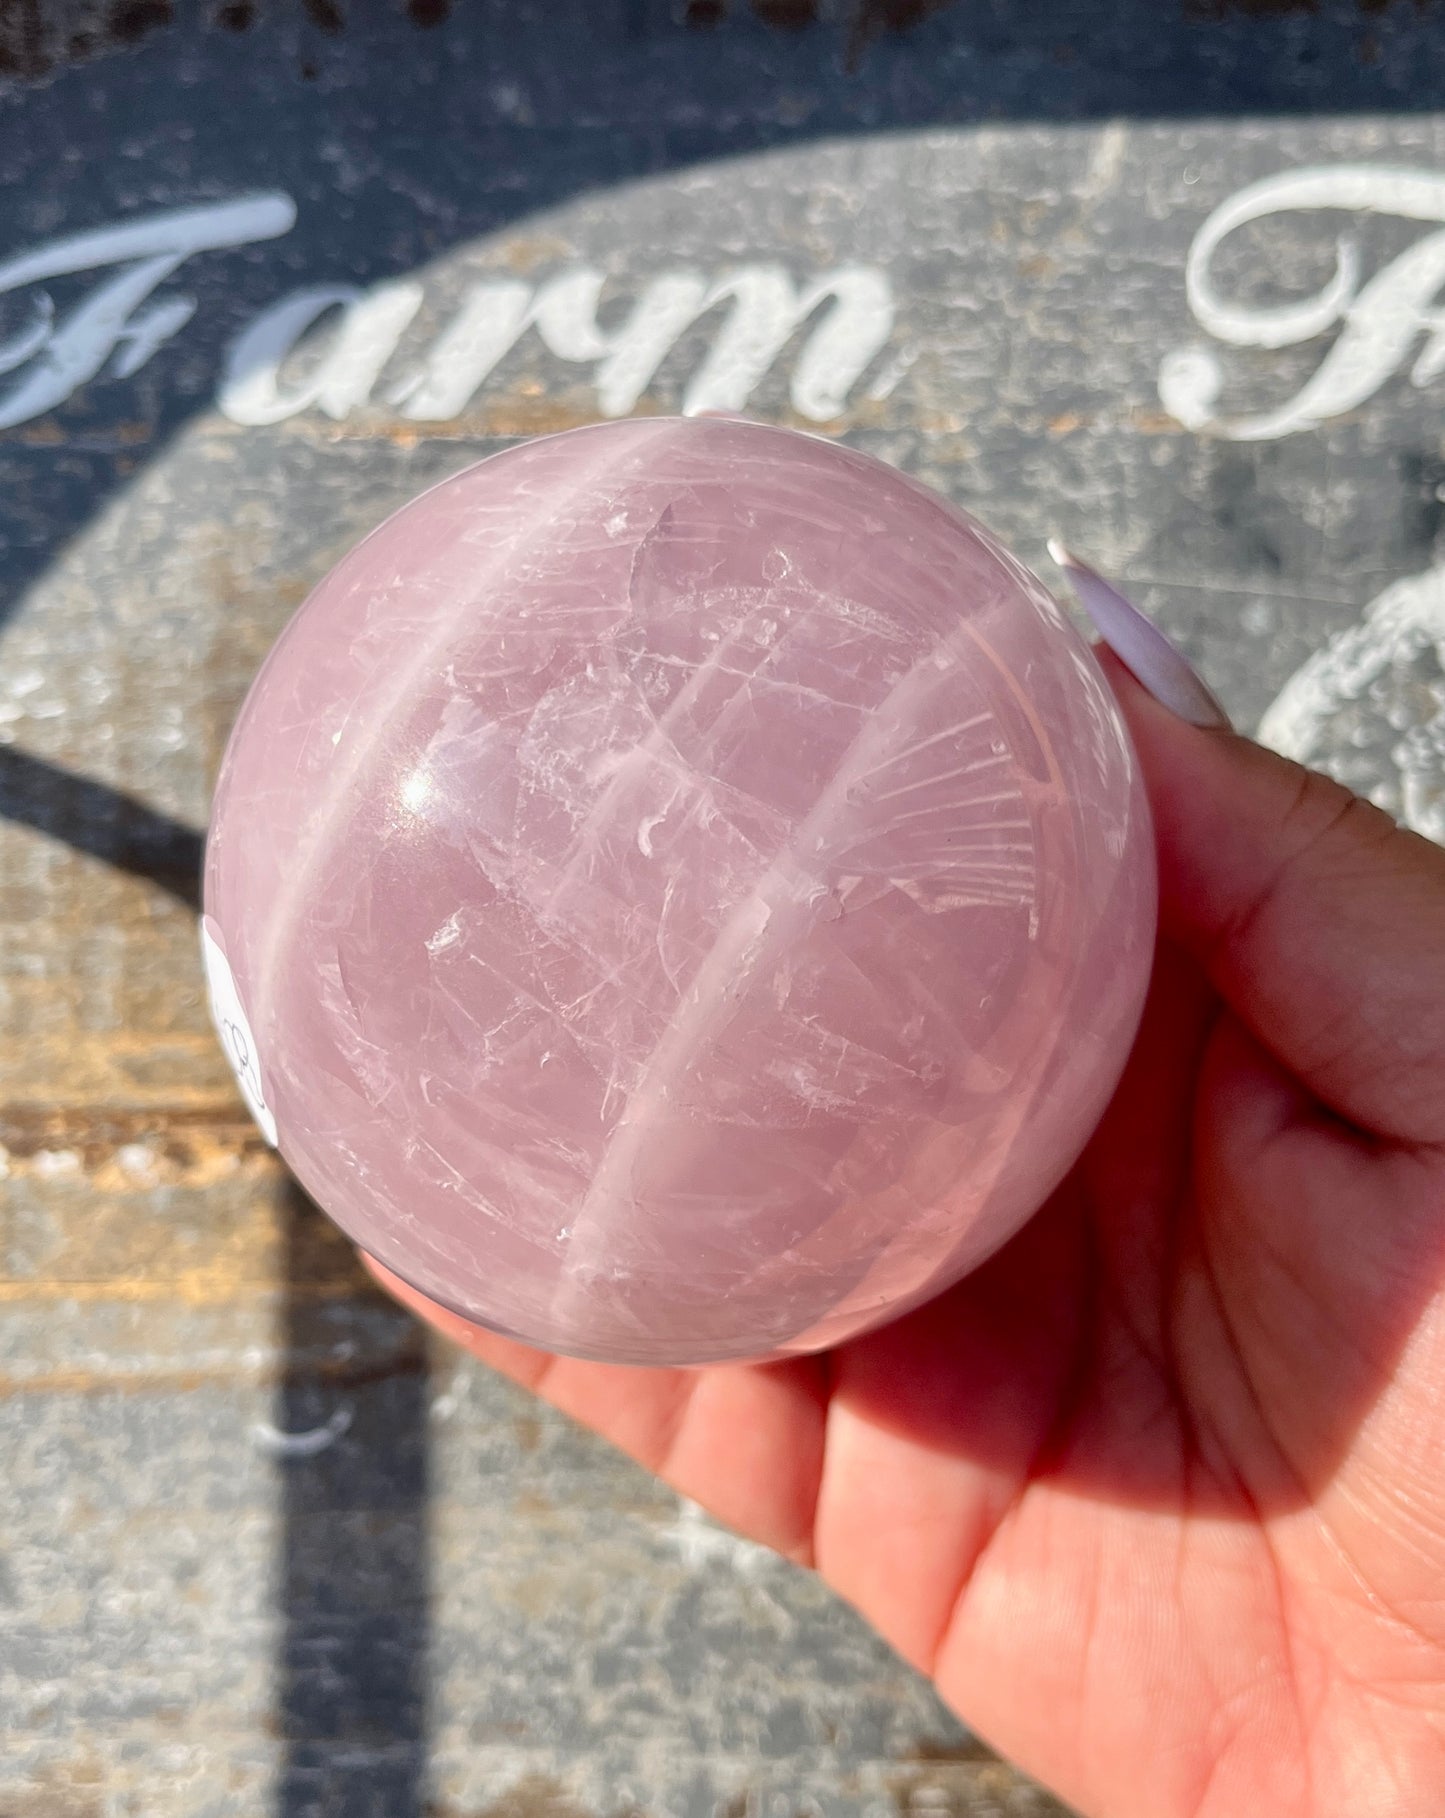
x: 765, y: 310
x: 1381, y: 320
x: 55, y: 356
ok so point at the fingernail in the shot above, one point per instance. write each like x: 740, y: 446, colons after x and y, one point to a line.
x: 1141, y: 646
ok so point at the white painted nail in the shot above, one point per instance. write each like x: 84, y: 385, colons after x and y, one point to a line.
x: 1140, y: 645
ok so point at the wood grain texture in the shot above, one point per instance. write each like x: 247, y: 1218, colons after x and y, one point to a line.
x: 261, y: 1549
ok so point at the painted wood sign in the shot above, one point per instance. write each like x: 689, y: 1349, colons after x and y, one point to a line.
x: 1170, y: 287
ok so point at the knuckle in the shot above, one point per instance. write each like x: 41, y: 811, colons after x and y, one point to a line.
x: 1325, y: 812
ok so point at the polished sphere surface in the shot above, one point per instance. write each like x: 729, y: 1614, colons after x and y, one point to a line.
x: 679, y: 890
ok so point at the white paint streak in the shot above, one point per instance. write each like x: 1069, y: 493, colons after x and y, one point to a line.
x: 55, y: 1164
x: 1404, y: 622
x: 309, y: 1444
x: 699, y: 1542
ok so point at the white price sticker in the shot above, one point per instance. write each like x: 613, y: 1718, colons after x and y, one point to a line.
x: 234, y: 1030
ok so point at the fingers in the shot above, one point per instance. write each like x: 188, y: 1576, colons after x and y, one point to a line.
x: 745, y: 1441
x: 1319, y: 921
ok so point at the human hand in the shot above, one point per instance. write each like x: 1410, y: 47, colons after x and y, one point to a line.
x: 1157, y: 1495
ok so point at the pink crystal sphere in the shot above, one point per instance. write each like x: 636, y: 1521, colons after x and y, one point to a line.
x: 679, y: 890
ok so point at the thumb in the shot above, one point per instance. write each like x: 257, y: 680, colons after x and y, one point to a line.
x: 1318, y: 920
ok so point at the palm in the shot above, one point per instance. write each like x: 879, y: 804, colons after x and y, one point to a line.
x: 1140, y: 1492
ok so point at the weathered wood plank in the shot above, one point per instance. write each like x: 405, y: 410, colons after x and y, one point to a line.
x: 260, y: 1548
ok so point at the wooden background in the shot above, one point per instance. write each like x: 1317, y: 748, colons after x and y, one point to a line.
x: 262, y: 1549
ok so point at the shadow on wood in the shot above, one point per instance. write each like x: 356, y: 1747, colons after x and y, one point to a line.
x: 103, y: 822
x: 351, y: 1449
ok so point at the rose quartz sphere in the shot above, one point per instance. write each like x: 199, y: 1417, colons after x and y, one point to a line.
x: 679, y: 890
